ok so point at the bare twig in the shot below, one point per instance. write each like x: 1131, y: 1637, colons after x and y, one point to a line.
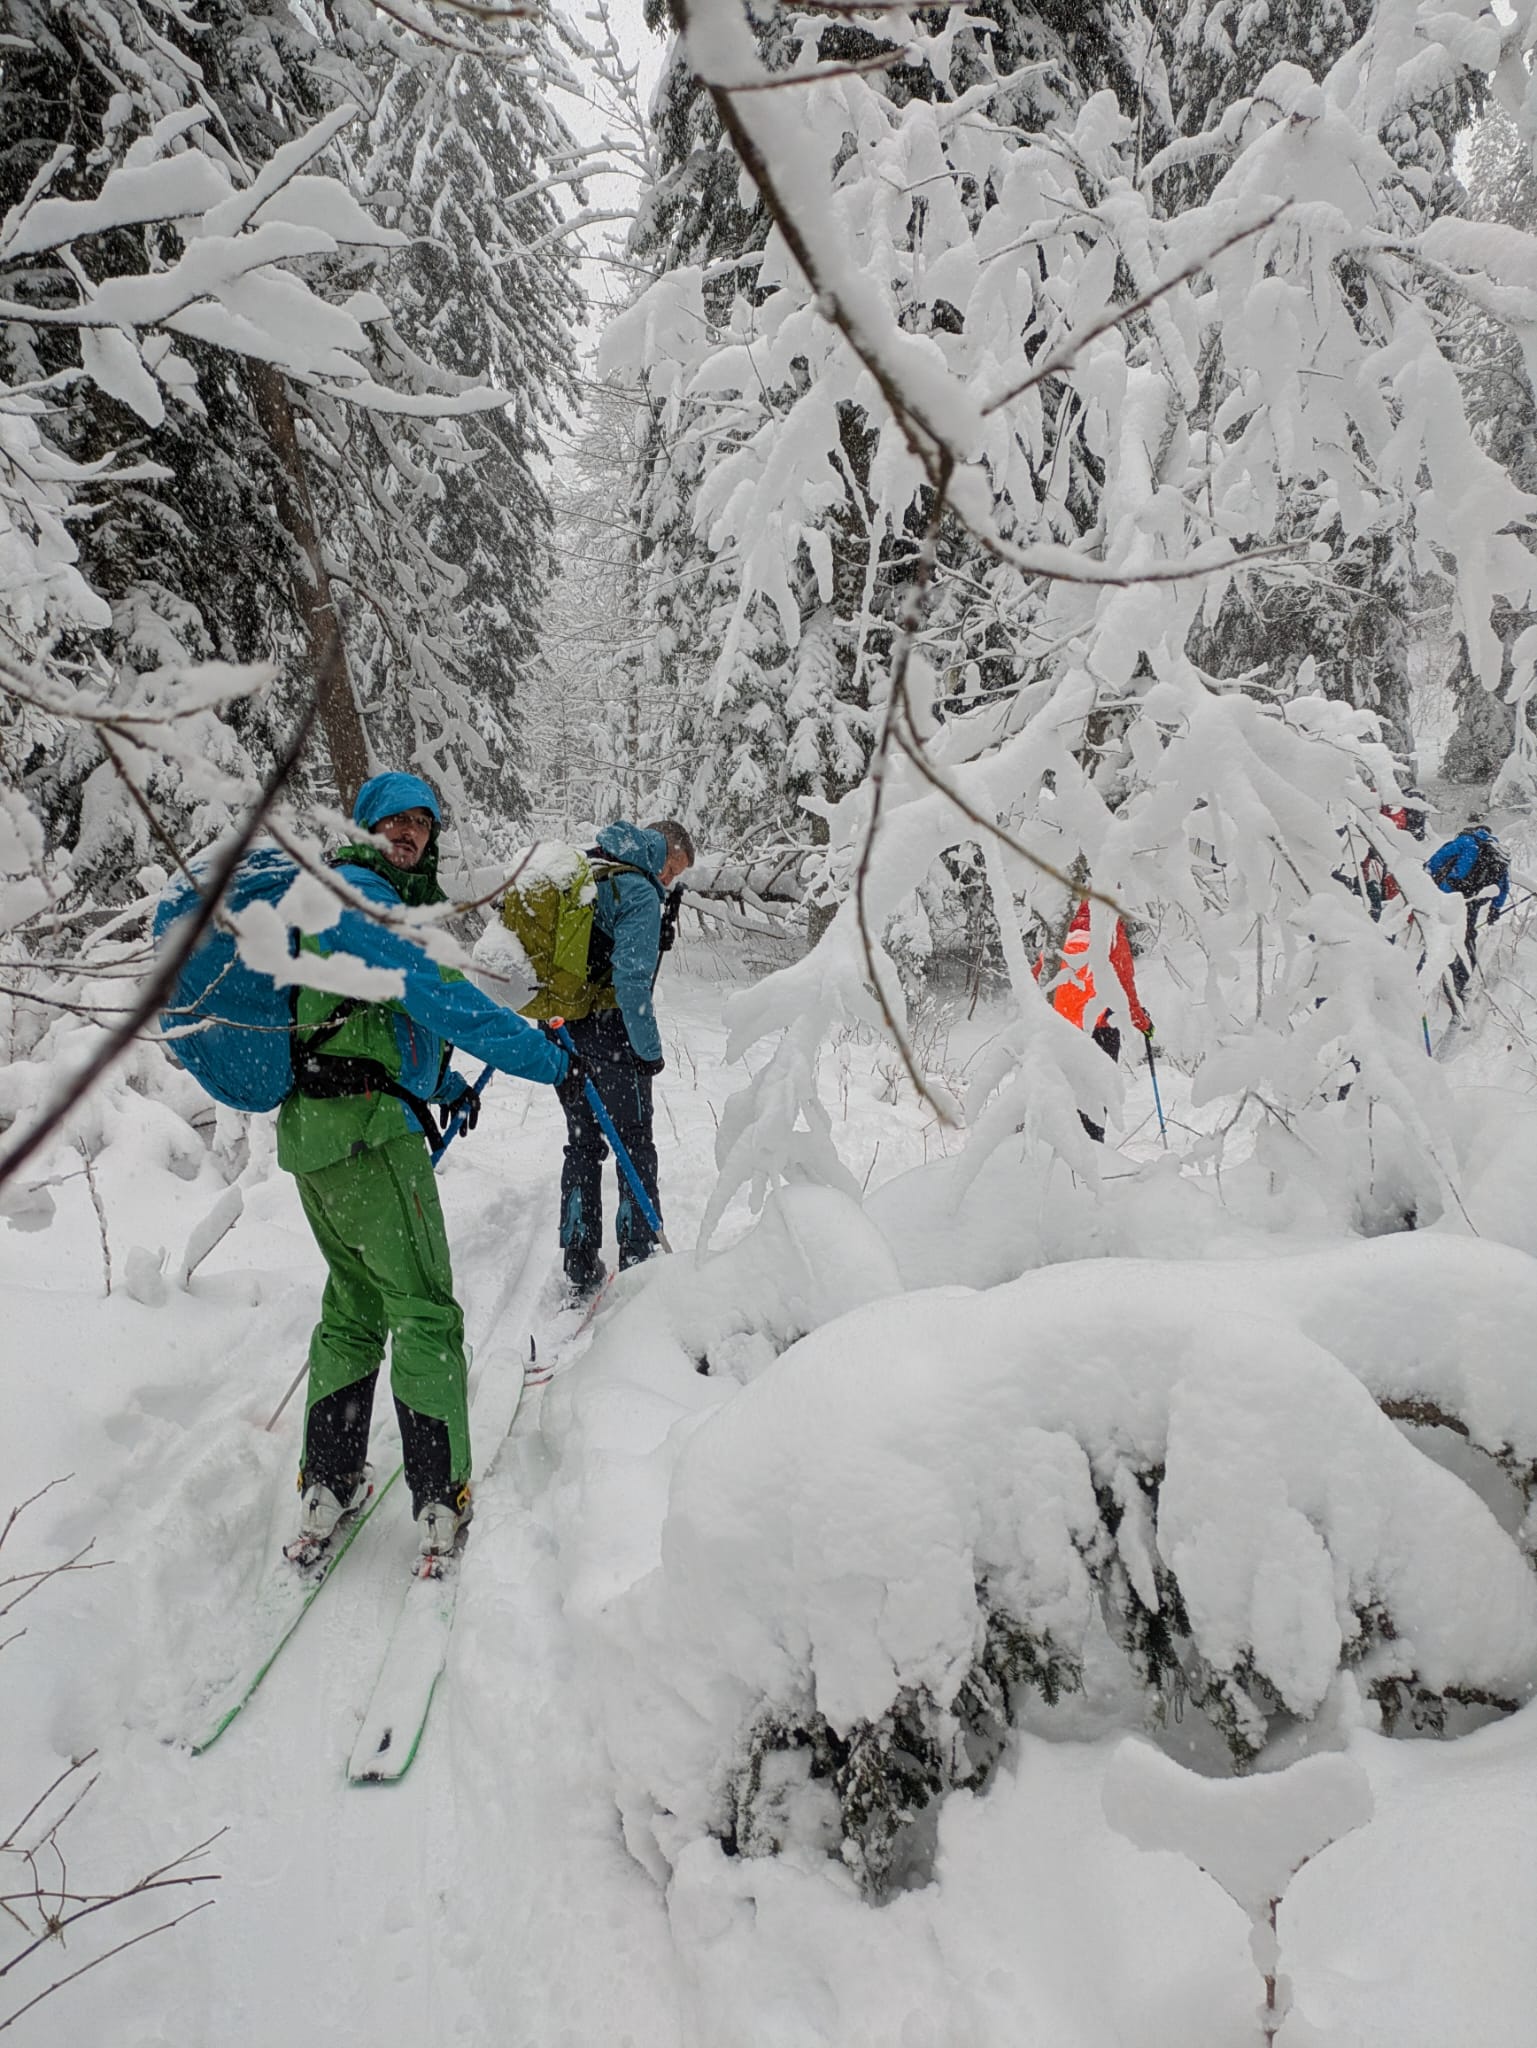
x: 912, y: 747
x: 159, y: 1880
x: 30, y: 1581
x: 44, y: 1796
x: 783, y: 79
x: 132, y: 1942
x: 31, y: 1501
x: 96, y: 1203
x: 912, y: 614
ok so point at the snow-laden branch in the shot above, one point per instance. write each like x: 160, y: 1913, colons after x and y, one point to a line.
x: 158, y: 986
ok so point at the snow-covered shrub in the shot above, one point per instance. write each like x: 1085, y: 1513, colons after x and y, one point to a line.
x: 1096, y: 1496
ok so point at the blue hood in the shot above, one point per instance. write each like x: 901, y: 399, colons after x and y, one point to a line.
x: 382, y: 796
x: 633, y: 844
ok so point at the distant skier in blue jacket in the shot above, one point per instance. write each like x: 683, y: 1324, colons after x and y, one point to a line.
x: 618, y: 1044
x: 1473, y: 865
x: 353, y: 1133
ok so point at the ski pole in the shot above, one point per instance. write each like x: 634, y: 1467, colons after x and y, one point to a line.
x: 455, y: 1125
x: 1163, y: 1128
x: 1425, y: 1027
x: 606, y: 1125
x: 456, y: 1121
x: 271, y: 1421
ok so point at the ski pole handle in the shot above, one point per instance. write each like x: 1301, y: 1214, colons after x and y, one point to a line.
x: 606, y: 1125
x: 456, y: 1121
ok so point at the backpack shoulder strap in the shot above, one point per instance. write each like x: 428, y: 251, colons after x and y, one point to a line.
x: 609, y: 867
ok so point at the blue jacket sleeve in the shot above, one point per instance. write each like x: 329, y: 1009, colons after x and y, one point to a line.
x: 456, y: 1009
x: 637, y: 939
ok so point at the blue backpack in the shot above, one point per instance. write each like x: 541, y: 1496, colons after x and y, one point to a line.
x: 242, y: 1054
x: 1469, y: 864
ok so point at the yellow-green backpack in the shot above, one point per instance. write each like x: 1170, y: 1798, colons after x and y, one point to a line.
x: 549, y: 910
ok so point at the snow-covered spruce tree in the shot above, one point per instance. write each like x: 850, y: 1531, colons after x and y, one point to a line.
x: 266, y: 473
x: 775, y: 643
x: 1217, y: 806
x: 423, y: 530
x: 598, y: 715
x: 485, y: 292
x: 140, y: 573
x: 1496, y: 372
x: 695, y: 216
x: 1355, y: 623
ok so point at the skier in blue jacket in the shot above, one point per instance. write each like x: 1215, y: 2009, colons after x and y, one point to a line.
x: 1473, y: 865
x: 618, y: 1044
x: 354, y: 1134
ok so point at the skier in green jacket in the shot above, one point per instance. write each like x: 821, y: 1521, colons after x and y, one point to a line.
x: 353, y: 1133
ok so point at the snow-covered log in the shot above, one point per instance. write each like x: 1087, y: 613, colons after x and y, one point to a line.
x: 785, y: 879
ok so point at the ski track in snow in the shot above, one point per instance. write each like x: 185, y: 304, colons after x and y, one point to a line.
x: 490, y: 1899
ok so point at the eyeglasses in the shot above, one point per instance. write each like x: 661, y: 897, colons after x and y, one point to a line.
x: 415, y: 821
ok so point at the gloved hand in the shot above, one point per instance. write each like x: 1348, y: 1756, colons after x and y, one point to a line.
x: 652, y: 1067
x: 572, y: 1084
x: 463, y: 1102
x: 1147, y: 1029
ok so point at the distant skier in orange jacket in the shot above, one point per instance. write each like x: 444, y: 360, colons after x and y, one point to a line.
x: 1073, y: 999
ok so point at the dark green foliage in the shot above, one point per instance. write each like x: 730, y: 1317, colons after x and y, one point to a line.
x: 890, y: 1772
x: 1410, y: 1707
x: 881, y: 1780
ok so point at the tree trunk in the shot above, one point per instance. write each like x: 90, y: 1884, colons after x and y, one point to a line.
x: 340, y: 719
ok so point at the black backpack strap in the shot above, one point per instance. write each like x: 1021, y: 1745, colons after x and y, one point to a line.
x: 671, y: 909
x: 600, y: 946
x: 319, y: 1077
x: 326, y: 1080
x: 308, y: 1042
x: 610, y: 866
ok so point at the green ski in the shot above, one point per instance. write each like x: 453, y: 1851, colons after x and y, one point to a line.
x: 284, y: 1598
x: 417, y: 1649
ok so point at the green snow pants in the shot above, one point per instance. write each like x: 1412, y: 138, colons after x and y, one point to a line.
x: 379, y: 1222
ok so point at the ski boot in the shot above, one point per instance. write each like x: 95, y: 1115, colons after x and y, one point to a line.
x: 585, y: 1281
x: 442, y: 1528
x: 322, y: 1513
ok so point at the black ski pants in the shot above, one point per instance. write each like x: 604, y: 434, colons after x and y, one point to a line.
x: 1108, y: 1039
x: 1462, y: 970
x: 603, y: 1046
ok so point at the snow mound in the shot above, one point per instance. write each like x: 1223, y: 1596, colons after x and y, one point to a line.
x: 681, y: 1339
x: 1252, y: 1835
x: 937, y: 1501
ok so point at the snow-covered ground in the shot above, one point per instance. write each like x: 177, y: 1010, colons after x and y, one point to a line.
x: 655, y: 1540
